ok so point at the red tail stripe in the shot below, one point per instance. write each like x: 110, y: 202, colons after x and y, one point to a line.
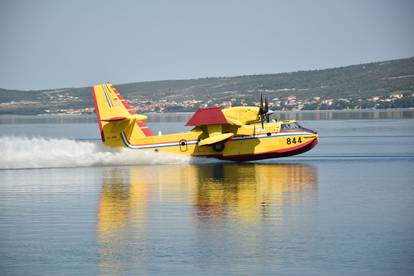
x: 145, y: 129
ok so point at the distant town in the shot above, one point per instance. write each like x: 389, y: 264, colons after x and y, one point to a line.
x: 289, y: 103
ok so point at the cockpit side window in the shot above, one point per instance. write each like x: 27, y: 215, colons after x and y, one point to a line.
x: 290, y: 126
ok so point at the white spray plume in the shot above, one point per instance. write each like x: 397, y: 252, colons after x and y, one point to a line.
x: 23, y: 152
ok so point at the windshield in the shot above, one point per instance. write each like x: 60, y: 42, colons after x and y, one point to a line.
x: 290, y: 126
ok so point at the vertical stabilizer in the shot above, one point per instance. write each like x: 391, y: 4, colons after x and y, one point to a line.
x: 116, y: 118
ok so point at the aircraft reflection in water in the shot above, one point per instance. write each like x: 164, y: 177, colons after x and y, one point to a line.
x: 146, y: 208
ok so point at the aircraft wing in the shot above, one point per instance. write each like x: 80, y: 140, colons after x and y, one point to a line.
x: 211, y: 120
x: 216, y: 139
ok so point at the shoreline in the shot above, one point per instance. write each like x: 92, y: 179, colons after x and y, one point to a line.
x: 302, y: 115
x: 192, y: 112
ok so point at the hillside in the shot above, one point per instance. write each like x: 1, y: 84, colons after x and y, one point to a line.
x: 385, y: 84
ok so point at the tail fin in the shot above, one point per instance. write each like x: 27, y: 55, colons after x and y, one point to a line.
x: 116, y: 117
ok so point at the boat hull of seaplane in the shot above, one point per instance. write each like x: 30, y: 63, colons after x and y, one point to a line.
x: 228, y: 134
x: 310, y: 142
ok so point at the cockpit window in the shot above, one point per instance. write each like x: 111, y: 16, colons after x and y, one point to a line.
x: 290, y: 126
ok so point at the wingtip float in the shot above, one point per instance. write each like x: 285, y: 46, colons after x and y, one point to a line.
x: 241, y: 133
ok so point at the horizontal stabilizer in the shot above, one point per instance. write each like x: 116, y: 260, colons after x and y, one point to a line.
x: 216, y: 139
x: 137, y: 117
x: 115, y: 119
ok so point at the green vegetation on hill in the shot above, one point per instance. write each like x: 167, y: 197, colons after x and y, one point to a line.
x: 350, y: 87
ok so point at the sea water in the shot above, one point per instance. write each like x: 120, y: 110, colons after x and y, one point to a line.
x: 70, y: 206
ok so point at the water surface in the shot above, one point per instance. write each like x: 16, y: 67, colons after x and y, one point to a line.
x: 344, y: 208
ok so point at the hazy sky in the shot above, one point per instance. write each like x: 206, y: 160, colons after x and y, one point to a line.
x: 52, y: 44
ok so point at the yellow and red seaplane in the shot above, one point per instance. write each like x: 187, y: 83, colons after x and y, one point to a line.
x: 241, y: 133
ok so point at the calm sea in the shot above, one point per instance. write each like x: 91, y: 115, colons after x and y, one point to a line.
x: 69, y: 206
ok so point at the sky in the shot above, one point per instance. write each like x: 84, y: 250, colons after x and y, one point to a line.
x: 56, y: 44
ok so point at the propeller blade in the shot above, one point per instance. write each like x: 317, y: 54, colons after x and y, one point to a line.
x: 261, y: 101
x: 262, y: 120
x: 266, y: 109
x: 261, y: 110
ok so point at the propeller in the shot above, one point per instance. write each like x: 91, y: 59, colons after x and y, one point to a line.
x: 264, y: 111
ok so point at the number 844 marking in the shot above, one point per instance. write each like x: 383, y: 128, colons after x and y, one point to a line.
x: 293, y: 140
